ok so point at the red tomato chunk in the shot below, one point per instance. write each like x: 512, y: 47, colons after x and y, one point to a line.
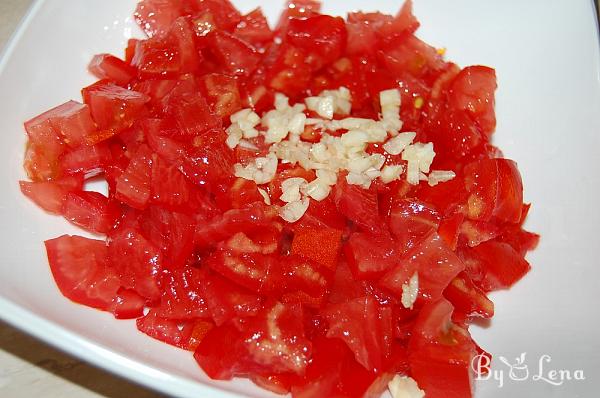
x: 369, y: 283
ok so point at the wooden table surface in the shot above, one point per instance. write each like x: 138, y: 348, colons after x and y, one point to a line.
x: 28, y: 367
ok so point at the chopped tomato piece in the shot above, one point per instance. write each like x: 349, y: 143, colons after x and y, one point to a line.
x: 441, y: 353
x: 358, y: 205
x: 106, y: 66
x: 233, y: 54
x: 323, y: 36
x: 433, y: 261
x: 91, y: 211
x: 365, y: 327
x: 127, y: 304
x: 136, y: 260
x: 495, y: 189
x: 473, y: 92
x: 133, y: 187
x: 81, y: 272
x: 113, y: 108
x: 254, y: 28
x: 370, y: 255
x: 50, y: 195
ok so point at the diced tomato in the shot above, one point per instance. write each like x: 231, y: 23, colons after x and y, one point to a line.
x: 365, y: 327
x: 254, y: 28
x: 209, y: 162
x: 449, y: 229
x: 468, y: 298
x: 226, y: 301
x: 136, y: 260
x: 191, y: 113
x: 279, y: 384
x: 171, y: 232
x: 220, y: 352
x: 248, y: 220
x: 133, y: 187
x: 156, y: 16
x: 495, y: 265
x: 319, y: 245
x: 290, y: 74
x: 223, y: 14
x: 80, y: 270
x: 323, y: 36
x: 473, y: 91
x: 127, y: 304
x: 106, y: 66
x: 234, y: 55
x: 222, y: 94
x: 169, y: 187
x: 275, y: 340
x: 410, y: 221
x: 241, y: 193
x: 474, y: 233
x: 182, y: 295
x: 165, y: 330
x: 87, y: 160
x: 50, y: 195
x: 199, y: 330
x: 370, y: 255
x: 91, y: 211
x: 113, y: 108
x: 440, y: 353
x: 435, y: 264
x: 246, y: 266
x: 410, y: 55
x: 304, y: 282
x: 358, y: 205
x: 495, y: 189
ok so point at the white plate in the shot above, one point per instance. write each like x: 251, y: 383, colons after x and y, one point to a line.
x: 547, y: 60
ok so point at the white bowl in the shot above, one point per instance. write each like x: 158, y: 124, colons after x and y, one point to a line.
x: 547, y: 57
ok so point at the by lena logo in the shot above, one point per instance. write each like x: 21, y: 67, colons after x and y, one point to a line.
x: 518, y: 370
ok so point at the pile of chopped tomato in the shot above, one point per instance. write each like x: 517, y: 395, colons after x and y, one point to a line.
x: 312, y: 308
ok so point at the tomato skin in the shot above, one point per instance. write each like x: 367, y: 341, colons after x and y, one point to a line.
x: 106, y: 66
x: 80, y: 270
